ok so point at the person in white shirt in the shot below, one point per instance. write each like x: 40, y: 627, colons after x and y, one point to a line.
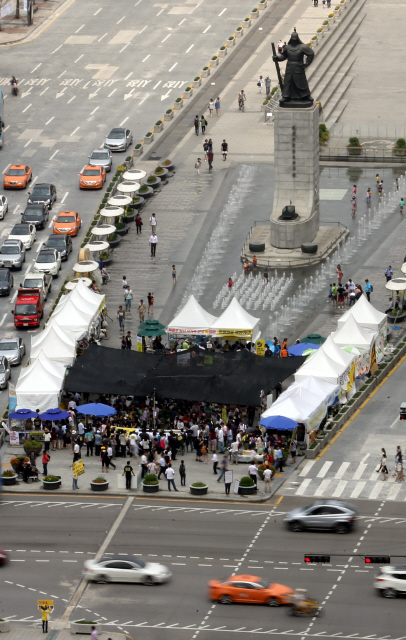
x: 72, y: 405
x: 220, y: 438
x: 267, y: 480
x: 253, y: 472
x: 162, y: 466
x: 170, y: 474
x: 76, y: 452
x: 144, y: 463
x: 81, y: 428
x: 234, y: 452
x: 110, y: 455
x: 153, y: 222
x: 153, y: 241
x: 215, y: 462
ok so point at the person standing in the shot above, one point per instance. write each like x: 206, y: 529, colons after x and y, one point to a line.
x: 210, y: 107
x: 121, y: 318
x: 260, y: 84
x: 210, y: 157
x: 203, y: 124
x: 144, y: 465
x: 110, y: 456
x: 389, y: 273
x: 45, y: 611
x: 47, y: 440
x: 170, y: 475
x: 138, y: 223
x: 280, y: 47
x: 268, y: 86
x: 94, y: 635
x: 182, y: 473
x: 45, y: 459
x: 267, y: 480
x: 368, y: 289
x: 97, y: 443
x: 150, y: 304
x: 227, y: 486
x: 153, y: 241
x: 266, y: 275
x: 76, y: 451
x: 128, y: 472
x: 368, y: 196
x: 128, y: 341
x: 174, y: 278
x: 253, y: 473
x: 196, y: 124
x: 89, y: 439
x: 224, y: 467
x: 153, y: 222
x: 205, y: 149
x: 61, y: 435
x: 279, y: 459
x: 215, y: 462
x: 224, y: 150
x: 74, y: 481
x: 217, y: 106
x: 198, y: 164
x: 141, y: 311
x: 128, y: 296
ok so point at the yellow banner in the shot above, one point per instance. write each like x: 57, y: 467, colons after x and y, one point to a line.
x: 139, y: 344
x: 78, y: 468
x: 261, y: 347
x: 45, y: 603
x: 224, y: 415
x: 241, y: 333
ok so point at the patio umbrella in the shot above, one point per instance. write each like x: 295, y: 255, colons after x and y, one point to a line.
x: 22, y: 414
x: 314, y: 338
x: 301, y: 348
x: 54, y: 414
x: 97, y: 409
x: 151, y: 328
x: 278, y: 422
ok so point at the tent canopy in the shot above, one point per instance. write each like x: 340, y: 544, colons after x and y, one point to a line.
x: 39, y: 385
x: 327, y: 391
x: 56, y: 343
x: 320, y: 365
x: 280, y: 423
x: 191, y: 319
x: 237, y: 377
x: 71, y: 318
x: 236, y: 321
x: 351, y: 334
x: 333, y: 351
x: 299, y: 349
x: 365, y: 314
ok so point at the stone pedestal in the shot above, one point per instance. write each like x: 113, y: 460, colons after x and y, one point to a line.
x: 296, y: 176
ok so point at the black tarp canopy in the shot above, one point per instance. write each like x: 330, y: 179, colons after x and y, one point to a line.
x: 236, y: 377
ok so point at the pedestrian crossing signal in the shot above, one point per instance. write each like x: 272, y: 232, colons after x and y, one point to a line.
x: 320, y: 559
x: 377, y: 559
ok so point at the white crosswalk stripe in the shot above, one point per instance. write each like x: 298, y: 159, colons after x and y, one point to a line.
x: 326, y: 466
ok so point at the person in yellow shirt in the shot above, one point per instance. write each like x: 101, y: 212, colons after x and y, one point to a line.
x: 45, y: 611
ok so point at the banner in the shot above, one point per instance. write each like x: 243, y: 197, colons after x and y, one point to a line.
x: 78, y: 468
x: 12, y: 397
x: 49, y: 604
x: 14, y: 438
x: 261, y: 347
x: 224, y: 415
x: 240, y: 333
x: 139, y: 344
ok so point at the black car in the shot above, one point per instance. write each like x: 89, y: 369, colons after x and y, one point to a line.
x: 62, y: 242
x: 6, y: 282
x: 43, y: 193
x: 37, y: 214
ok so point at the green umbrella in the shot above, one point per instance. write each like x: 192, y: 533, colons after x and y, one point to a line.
x: 151, y: 328
x: 314, y: 338
x: 308, y: 352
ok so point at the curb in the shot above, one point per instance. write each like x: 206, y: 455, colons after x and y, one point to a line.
x: 39, y: 27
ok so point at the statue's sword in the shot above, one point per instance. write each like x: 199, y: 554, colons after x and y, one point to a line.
x: 278, y: 71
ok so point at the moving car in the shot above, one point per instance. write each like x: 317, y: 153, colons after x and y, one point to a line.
x: 13, y: 349
x: 250, y: 589
x: 92, y: 177
x: 126, y: 569
x: 391, y: 581
x: 48, y: 261
x: 5, y: 372
x: 67, y: 222
x: 17, y: 176
x: 12, y: 254
x: 38, y: 214
x: 43, y: 193
x: 62, y: 243
x: 101, y: 158
x: 42, y: 281
x: 29, y: 308
x: 3, y: 557
x: 119, y: 139
x: 27, y: 233
x: 6, y: 282
x: 3, y: 206
x: 332, y: 515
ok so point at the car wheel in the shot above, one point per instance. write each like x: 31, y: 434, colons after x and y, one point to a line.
x: 389, y: 593
x: 342, y: 528
x: 148, y: 581
x: 101, y: 580
x: 225, y: 600
x: 295, y: 526
x: 274, y: 602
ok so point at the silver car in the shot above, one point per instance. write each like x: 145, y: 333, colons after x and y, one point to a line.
x: 126, y: 569
x: 3, y: 206
x: 119, y: 139
x: 329, y: 515
x: 13, y: 349
x: 101, y: 158
x: 12, y: 254
x: 5, y: 372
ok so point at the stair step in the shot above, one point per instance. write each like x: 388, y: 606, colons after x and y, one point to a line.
x: 340, y: 92
x: 338, y: 111
x: 334, y: 66
x: 331, y: 83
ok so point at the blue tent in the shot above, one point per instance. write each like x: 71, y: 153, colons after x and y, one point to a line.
x: 54, y: 414
x: 298, y: 349
x: 22, y: 414
x: 278, y: 422
x: 97, y: 409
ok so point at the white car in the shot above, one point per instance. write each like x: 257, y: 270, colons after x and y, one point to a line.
x: 125, y: 569
x: 391, y: 581
x: 3, y: 206
x: 48, y: 261
x: 25, y: 232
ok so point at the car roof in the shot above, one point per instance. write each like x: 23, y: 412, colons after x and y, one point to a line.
x: 391, y: 568
x: 9, y: 339
x: 42, y: 184
x: 118, y: 129
x: 101, y: 150
x: 21, y: 225
x: 13, y: 241
x: 17, y: 166
x: 6, y: 269
x: 244, y: 578
x: 335, y: 503
x: 34, y: 205
x: 48, y: 250
x: 61, y: 238
x: 130, y: 558
x: 90, y: 166
x: 64, y: 213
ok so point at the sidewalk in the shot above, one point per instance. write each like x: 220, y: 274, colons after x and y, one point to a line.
x: 34, y: 632
x: 15, y: 30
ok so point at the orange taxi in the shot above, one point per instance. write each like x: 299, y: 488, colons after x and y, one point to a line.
x: 92, y: 177
x: 17, y: 176
x: 250, y: 589
x: 67, y: 222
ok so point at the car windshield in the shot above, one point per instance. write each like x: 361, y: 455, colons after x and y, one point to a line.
x: 56, y: 241
x: 40, y: 191
x: 263, y: 583
x: 99, y: 155
x: 25, y: 310
x: 4, y: 275
x: 33, y: 215
x: 91, y: 172
x: 34, y: 283
x: 66, y: 219
x: 20, y: 231
x: 116, y: 134
x: 8, y: 346
x: 10, y: 250
x: 16, y: 172
x: 46, y: 257
x: 2, y: 369
x: 139, y: 563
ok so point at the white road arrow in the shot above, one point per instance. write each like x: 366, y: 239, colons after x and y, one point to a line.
x: 166, y: 95
x: 128, y: 95
x: 92, y: 95
x: 26, y: 93
x: 58, y: 95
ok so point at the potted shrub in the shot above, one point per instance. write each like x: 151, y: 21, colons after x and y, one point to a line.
x: 197, y: 81
x: 114, y: 240
x: 121, y: 228
x: 138, y: 202
x: 264, y: 104
x: 326, y: 25
x: 129, y: 215
x: 337, y: 10
x: 313, y: 450
x: 148, y: 137
x: 51, y: 482
x: 274, y: 90
x: 247, y: 22
x: 188, y: 93
x: 168, y: 114
x: 331, y: 16
x: 32, y: 445
x: 231, y: 41
x: 99, y: 484
x: 198, y: 488
x: 247, y: 486
x: 178, y: 104
x: 16, y: 461
x: 255, y: 13
x: 84, y: 627
x: 354, y: 147
x: 400, y: 147
x: 105, y: 256
x: 150, y: 483
x: 320, y: 32
x: 222, y: 52
x: 262, y: 4
x: 205, y: 72
x: 161, y: 172
x: 167, y: 164
x: 238, y: 32
x: 159, y: 125
x: 214, y: 61
x: 8, y: 477
x: 146, y: 191
x: 324, y: 135
x: 152, y: 181
x: 138, y: 150
x: 4, y: 625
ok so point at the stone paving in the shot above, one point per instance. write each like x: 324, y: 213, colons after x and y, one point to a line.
x: 15, y: 30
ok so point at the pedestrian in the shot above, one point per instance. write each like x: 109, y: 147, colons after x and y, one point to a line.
x: 76, y: 450
x: 89, y: 439
x: 210, y: 157
x: 215, y: 462
x: 150, y: 297
x: 279, y: 459
x: 227, y: 486
x: 182, y: 473
x: 174, y: 278
x: 324, y: 4
x: 268, y: 86
x: 54, y: 438
x: 94, y: 635
x: 280, y: 46
x: 377, y: 178
x: 141, y: 311
x: 45, y: 611
x: 334, y: 290
x: 266, y: 275
x: 217, y: 106
x: 203, y: 124
x: 230, y: 284
x: 328, y: 4
x: 128, y: 341
x: 170, y: 474
x: 153, y: 222
x: 121, y: 318
x: 110, y: 456
x: 315, y: 3
x: 339, y: 274
x: 260, y: 84
x: 61, y: 437
x: 340, y: 296
x: 401, y: 205
x: 196, y: 123
x: 47, y: 440
x: 138, y: 223
x: 397, y: 184
x: 123, y: 342
x: 293, y: 449
x: 128, y: 471
x: 198, y: 164
x: 210, y: 107
x: 354, y: 190
x: 368, y: 197
x: 224, y: 150
x: 128, y: 296
x: 400, y: 477
x: 253, y: 472
x: 224, y: 468
x: 267, y: 480
x: 353, y: 204
x: 383, y: 466
x: 45, y: 459
x: 205, y: 149
x: 97, y: 443
x: 123, y: 444
x: 368, y: 289
x: 389, y: 273
x: 153, y: 241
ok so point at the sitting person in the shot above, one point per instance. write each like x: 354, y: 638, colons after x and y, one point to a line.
x: 105, y: 275
x: 94, y: 287
x: 29, y: 471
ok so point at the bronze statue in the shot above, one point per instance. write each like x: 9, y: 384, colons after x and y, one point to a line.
x: 295, y: 90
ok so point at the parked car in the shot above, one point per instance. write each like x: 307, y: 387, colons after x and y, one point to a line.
x: 391, y: 581
x: 29, y: 308
x: 5, y: 372
x: 3, y: 206
x: 13, y: 349
x: 62, y: 243
x: 38, y: 214
x: 92, y: 177
x: 26, y: 232
x: 43, y: 193
x: 101, y: 158
x: 6, y: 282
x: 67, y: 222
x: 118, y: 139
x: 48, y: 261
x: 332, y: 515
x: 42, y: 281
x: 12, y: 254
x: 17, y: 176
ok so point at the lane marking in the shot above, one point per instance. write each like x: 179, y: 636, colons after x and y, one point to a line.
x: 35, y: 68
x: 171, y: 69
x: 157, y: 84
x: 73, y: 132
x: 42, y: 92
x: 50, y: 120
x: 80, y: 28
x: 130, y: 74
x: 220, y: 14
x: 166, y: 37
x: 125, y: 120
x: 6, y: 168
x: 146, y: 58
x: 27, y: 143
x: 69, y: 101
x: 62, y: 74
x: 55, y: 50
x: 98, y: 11
x: 65, y: 196
x: 191, y: 47
x: 94, y: 111
x: 181, y: 22
x: 125, y: 47
x: 103, y: 36
x: 121, y: 19
x: 77, y: 59
x: 207, y: 28
x: 159, y: 13
x: 24, y: 110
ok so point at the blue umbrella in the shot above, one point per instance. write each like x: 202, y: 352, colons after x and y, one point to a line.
x: 97, y: 409
x: 278, y: 422
x: 22, y: 414
x: 54, y: 414
x: 298, y: 349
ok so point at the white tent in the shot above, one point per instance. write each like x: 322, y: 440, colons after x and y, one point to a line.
x: 294, y: 407
x: 236, y: 323
x: 56, y: 343
x: 327, y: 391
x: 39, y: 385
x: 369, y: 318
x: 333, y: 351
x: 192, y: 319
x: 82, y: 292
x: 84, y: 306
x: 71, y: 318
x: 320, y: 365
x: 351, y: 334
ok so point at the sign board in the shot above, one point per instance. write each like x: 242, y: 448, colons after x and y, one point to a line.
x: 236, y: 486
x: 45, y: 603
x: 139, y: 344
x: 228, y: 477
x: 37, y: 435
x: 12, y: 397
x: 14, y: 438
x: 78, y: 468
x: 261, y: 347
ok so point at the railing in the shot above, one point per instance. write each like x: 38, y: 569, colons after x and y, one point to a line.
x: 366, y: 155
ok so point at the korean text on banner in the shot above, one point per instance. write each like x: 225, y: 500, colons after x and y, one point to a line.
x: 261, y: 347
x: 78, y: 468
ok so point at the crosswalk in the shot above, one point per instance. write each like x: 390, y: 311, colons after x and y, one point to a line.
x: 330, y: 479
